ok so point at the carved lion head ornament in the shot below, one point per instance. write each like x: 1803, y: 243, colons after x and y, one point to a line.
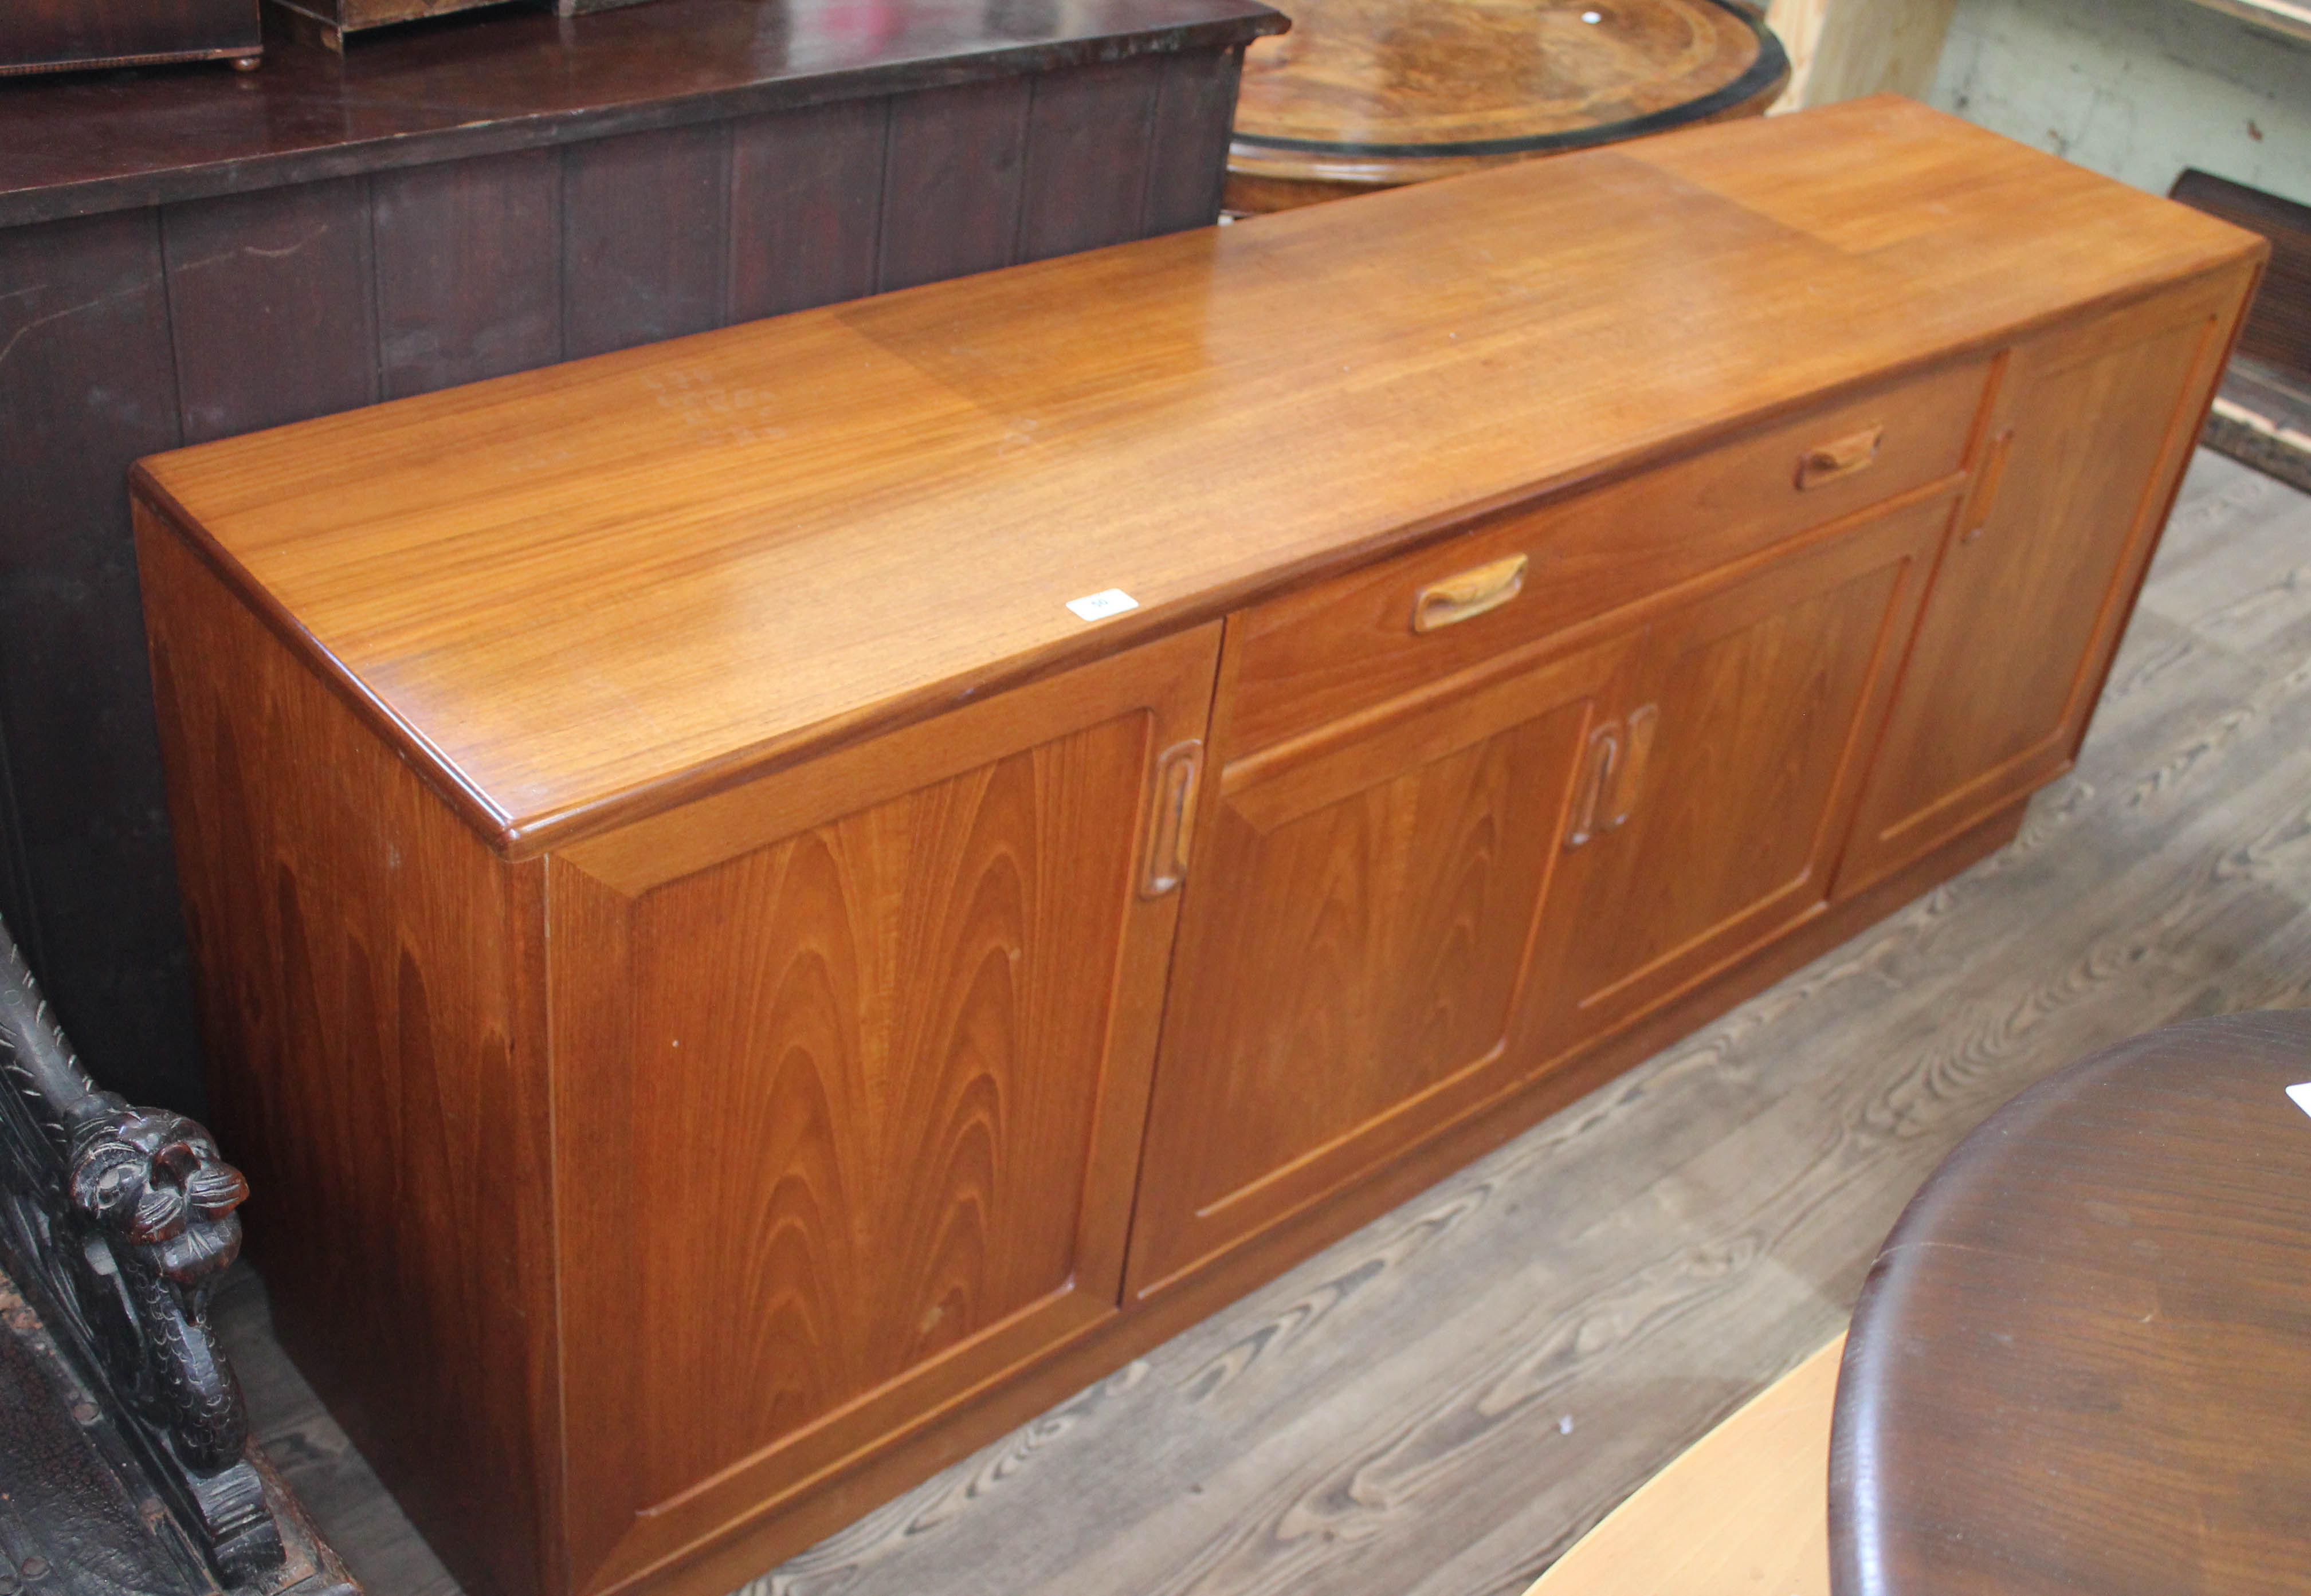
x: 155, y: 1180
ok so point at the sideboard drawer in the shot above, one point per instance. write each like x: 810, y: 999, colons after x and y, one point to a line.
x: 1312, y: 656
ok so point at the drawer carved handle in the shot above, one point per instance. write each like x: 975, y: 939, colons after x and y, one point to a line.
x: 1171, y: 818
x: 1469, y: 594
x: 1832, y: 462
x: 1630, y: 775
x: 1596, y: 777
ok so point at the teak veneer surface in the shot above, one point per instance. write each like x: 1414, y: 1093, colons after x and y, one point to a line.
x: 582, y: 593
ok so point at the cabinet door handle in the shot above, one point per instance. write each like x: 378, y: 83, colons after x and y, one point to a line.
x: 1630, y: 775
x: 1986, y: 492
x: 1469, y: 594
x: 1840, y: 458
x: 1596, y: 775
x: 1171, y: 818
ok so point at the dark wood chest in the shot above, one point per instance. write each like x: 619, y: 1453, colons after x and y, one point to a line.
x: 52, y: 35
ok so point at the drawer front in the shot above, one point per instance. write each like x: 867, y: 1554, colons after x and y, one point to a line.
x: 1311, y: 656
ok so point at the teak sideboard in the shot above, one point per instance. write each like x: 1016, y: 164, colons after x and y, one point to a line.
x: 732, y: 992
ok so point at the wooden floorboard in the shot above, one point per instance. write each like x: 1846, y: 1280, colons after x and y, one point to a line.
x: 1438, y: 1405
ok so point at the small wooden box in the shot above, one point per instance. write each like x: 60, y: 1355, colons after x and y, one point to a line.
x: 57, y: 35
x: 331, y: 20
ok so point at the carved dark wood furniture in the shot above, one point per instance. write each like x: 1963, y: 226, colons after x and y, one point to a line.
x: 2263, y: 413
x: 1365, y: 94
x: 491, y: 193
x: 785, y: 899
x: 125, y: 1461
x: 58, y: 35
x: 2078, y: 1364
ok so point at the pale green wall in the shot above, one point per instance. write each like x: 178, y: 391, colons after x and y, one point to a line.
x: 2135, y: 89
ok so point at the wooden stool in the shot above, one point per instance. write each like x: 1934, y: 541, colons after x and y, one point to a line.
x: 1742, y: 1512
x: 2078, y: 1361
x: 1365, y: 94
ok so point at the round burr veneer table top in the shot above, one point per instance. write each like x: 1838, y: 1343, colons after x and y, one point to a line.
x: 2082, y: 1360
x: 1365, y: 94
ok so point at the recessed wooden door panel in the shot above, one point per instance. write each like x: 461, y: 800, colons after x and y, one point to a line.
x: 2089, y: 436
x: 1752, y: 708
x: 1354, y: 940
x: 857, y: 1098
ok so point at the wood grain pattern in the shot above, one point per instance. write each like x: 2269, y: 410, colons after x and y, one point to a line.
x: 1365, y: 93
x: 1764, y: 691
x: 2169, y: 873
x: 2072, y: 1364
x: 2054, y: 513
x: 633, y: 506
x: 921, y: 991
x: 900, y: 1151
x: 905, y: 1076
x: 267, y: 312
x: 1330, y: 649
x: 396, y: 1069
x: 1643, y: 1262
x: 1356, y: 943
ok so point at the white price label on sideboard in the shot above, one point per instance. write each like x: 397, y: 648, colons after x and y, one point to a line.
x: 1099, y: 606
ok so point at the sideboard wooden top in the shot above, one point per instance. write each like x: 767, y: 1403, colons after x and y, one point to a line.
x: 582, y: 593
x: 495, y: 79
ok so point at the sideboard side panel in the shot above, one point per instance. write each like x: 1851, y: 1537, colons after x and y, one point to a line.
x: 380, y: 1069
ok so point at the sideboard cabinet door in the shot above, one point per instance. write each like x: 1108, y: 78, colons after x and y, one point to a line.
x: 2089, y: 433
x: 851, y: 1068
x: 1354, y: 944
x: 1739, y: 759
